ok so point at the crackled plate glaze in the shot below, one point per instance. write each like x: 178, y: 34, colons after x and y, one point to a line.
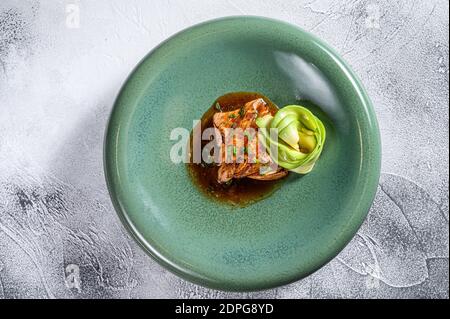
x: 275, y: 241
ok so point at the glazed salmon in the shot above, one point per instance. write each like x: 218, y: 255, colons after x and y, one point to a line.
x: 241, y: 118
x: 238, y: 164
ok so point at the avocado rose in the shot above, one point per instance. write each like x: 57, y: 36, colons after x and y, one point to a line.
x: 301, y: 137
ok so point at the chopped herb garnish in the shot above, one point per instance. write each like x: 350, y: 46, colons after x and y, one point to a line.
x: 245, y: 149
x: 232, y: 116
x: 218, y: 107
x: 242, y: 112
x: 234, y: 150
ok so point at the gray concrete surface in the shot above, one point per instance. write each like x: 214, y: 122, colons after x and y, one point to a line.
x: 61, y: 65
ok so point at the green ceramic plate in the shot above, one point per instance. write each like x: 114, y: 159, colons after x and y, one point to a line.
x: 282, y: 238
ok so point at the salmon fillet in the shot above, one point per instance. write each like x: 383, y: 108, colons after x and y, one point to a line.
x: 241, y: 118
x: 244, y: 118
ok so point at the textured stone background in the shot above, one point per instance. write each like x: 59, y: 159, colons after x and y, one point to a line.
x: 59, y: 235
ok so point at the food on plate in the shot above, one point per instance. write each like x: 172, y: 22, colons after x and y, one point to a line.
x: 249, y: 158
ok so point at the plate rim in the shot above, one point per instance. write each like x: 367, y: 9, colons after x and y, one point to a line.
x: 179, y: 270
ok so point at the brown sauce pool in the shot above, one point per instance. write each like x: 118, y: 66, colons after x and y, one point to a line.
x: 240, y: 192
